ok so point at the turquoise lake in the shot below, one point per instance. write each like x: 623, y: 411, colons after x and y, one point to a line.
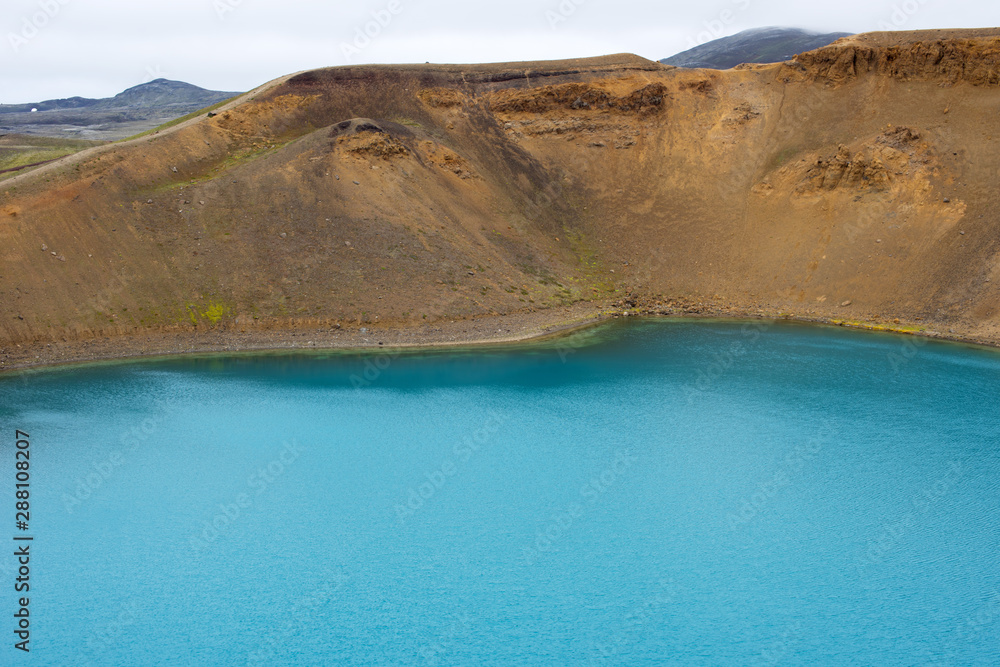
x: 642, y: 493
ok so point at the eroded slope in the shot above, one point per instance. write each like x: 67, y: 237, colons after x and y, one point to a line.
x: 862, y: 174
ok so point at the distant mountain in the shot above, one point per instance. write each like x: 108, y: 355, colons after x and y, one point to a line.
x: 161, y: 93
x: 759, y: 45
x: 135, y: 110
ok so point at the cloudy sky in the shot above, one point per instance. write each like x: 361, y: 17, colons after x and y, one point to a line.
x: 97, y: 48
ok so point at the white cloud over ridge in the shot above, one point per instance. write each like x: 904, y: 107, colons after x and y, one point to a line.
x: 97, y: 48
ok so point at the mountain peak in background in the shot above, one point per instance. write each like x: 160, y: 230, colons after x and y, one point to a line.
x: 162, y: 92
x: 855, y: 184
x: 134, y: 110
x: 757, y: 45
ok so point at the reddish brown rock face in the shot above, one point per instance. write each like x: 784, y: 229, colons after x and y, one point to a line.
x: 865, y: 171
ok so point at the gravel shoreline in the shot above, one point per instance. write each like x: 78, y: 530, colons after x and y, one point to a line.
x: 485, y: 330
x: 480, y: 331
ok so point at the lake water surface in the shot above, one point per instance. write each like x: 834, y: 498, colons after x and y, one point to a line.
x: 646, y: 493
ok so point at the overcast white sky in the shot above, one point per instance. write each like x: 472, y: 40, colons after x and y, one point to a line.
x: 97, y: 48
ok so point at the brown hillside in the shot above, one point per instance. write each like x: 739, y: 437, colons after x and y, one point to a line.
x: 864, y: 172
